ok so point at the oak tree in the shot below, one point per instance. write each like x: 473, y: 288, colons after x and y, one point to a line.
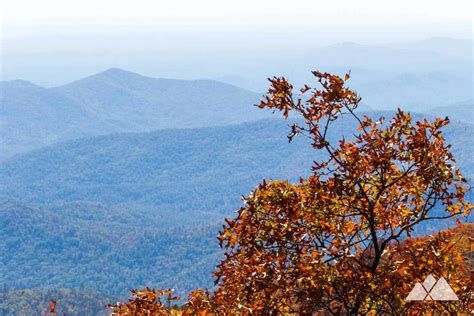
x: 331, y: 242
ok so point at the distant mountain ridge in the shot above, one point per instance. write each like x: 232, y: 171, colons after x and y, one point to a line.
x: 441, y: 45
x: 120, y: 101
x: 166, y: 169
x: 460, y: 111
x: 163, y: 169
x: 115, y: 101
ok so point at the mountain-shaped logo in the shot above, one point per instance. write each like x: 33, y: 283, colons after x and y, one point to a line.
x: 432, y: 290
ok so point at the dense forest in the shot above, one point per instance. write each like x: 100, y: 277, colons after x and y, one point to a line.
x: 70, y: 302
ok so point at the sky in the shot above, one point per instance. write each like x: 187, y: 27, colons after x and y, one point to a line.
x: 37, y: 36
x: 453, y: 17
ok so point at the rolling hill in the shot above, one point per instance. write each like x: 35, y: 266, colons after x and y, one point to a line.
x: 32, y: 116
x: 119, y: 101
x: 114, y: 101
x: 170, y: 167
x: 133, y: 101
x: 175, y: 171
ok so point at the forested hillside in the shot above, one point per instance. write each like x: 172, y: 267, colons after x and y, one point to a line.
x: 188, y: 171
x: 175, y: 168
x: 70, y: 302
x: 148, y: 209
x: 104, y: 251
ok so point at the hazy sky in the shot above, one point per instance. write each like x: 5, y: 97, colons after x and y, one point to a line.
x: 40, y: 39
x: 446, y: 17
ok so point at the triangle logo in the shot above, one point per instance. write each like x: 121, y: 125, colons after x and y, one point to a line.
x: 432, y: 290
x: 443, y: 292
x: 418, y: 293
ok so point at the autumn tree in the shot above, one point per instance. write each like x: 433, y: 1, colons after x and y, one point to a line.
x: 332, y: 241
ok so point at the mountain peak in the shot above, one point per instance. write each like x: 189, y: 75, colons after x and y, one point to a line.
x: 117, y: 73
x: 115, y: 76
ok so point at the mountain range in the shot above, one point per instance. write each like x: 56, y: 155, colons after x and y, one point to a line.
x: 459, y: 111
x: 245, y: 59
x: 119, y: 101
x: 115, y: 101
x: 118, y: 181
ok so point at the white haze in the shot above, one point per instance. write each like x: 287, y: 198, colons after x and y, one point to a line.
x: 55, y: 41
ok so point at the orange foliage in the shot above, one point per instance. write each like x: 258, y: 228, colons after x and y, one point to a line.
x: 146, y: 302
x: 334, y: 242
x: 323, y: 243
